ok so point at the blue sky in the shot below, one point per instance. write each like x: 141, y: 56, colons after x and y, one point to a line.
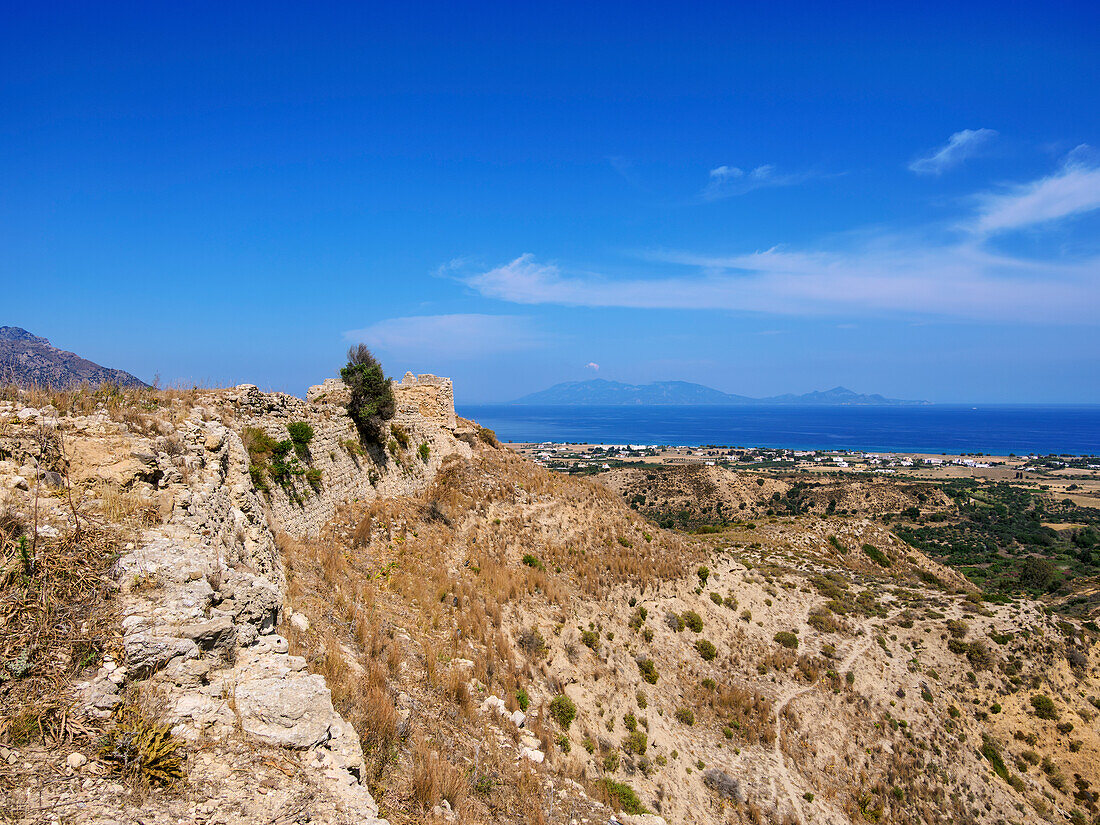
x: 763, y: 197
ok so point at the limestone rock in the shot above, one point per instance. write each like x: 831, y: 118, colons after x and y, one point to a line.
x: 216, y: 633
x: 147, y: 652
x: 76, y: 760
x: 101, y: 698
x: 291, y: 712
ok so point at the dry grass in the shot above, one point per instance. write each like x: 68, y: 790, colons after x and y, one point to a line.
x: 435, y: 779
x: 123, y: 506
x: 398, y: 589
x: 57, y: 619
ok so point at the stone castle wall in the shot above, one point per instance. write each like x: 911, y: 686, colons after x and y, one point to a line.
x: 350, y: 471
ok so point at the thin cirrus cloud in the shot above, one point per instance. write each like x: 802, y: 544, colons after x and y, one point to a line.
x: 727, y: 181
x: 901, y: 273
x: 1074, y: 190
x: 459, y: 336
x: 959, y: 147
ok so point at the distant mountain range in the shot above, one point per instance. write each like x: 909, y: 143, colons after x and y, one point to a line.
x: 28, y: 360
x: 601, y: 392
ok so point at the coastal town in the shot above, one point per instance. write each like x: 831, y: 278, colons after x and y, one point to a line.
x: 591, y: 459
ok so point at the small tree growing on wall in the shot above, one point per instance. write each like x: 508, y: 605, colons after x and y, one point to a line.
x: 372, y: 402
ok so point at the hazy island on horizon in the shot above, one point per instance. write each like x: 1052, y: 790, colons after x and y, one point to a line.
x: 603, y: 392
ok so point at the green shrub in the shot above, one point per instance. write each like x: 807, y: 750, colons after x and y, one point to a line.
x: 425, y: 452
x: 622, y: 797
x: 522, y: 699
x: 990, y: 752
x: 716, y: 598
x: 488, y: 436
x: 957, y: 628
x: 707, y: 650
x: 1044, y: 706
x: 563, y: 743
x: 635, y: 742
x: 371, y: 401
x: 787, y: 639
x: 876, y: 555
x: 258, y: 444
x: 840, y: 548
x: 703, y: 573
x: 301, y: 434
x: 693, y: 621
x: 685, y: 715
x: 625, y: 542
x: 533, y: 561
x: 958, y: 647
x: 313, y: 476
x: 822, y: 621
x: 562, y: 710
x: 648, y: 670
x: 590, y: 638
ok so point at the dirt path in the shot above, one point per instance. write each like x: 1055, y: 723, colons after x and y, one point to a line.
x: 781, y: 764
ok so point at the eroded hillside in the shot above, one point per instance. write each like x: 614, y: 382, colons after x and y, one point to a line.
x: 435, y: 629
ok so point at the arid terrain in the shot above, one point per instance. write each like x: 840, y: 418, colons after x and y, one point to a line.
x: 225, y: 607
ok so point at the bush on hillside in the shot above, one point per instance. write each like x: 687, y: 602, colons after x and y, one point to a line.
x: 562, y: 710
x: 787, y: 639
x: 706, y: 649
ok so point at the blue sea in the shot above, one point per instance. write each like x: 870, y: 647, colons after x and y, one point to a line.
x: 994, y: 429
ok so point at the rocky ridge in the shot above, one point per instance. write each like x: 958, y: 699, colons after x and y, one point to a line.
x: 29, y: 360
x: 202, y: 592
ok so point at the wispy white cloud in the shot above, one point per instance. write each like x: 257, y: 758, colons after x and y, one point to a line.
x: 727, y: 181
x: 1073, y: 190
x: 451, y: 337
x: 592, y: 365
x: 957, y: 275
x: 897, y: 275
x: 959, y: 147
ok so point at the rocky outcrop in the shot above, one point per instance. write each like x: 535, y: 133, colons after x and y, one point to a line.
x: 203, y: 591
x: 204, y: 594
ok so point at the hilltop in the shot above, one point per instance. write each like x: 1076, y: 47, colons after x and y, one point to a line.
x: 431, y: 628
x: 28, y: 360
x: 601, y: 392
